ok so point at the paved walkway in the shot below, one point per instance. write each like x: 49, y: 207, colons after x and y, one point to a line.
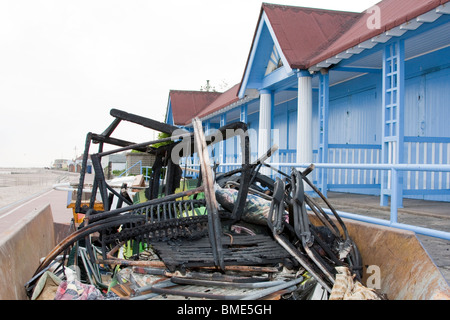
x: 361, y: 203
x: 56, y: 199
x: 427, y: 214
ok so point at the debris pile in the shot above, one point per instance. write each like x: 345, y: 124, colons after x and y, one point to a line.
x: 233, y: 235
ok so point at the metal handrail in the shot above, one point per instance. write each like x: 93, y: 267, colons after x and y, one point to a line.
x: 394, y: 168
x: 146, y: 168
x: 128, y: 169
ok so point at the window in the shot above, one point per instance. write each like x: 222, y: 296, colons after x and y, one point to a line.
x: 274, y: 61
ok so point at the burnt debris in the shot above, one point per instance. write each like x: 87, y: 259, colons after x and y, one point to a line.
x: 226, y: 235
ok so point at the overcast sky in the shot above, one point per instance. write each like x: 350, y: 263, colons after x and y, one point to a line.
x: 65, y: 64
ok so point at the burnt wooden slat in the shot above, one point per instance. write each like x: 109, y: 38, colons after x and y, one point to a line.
x: 243, y: 250
x: 146, y: 122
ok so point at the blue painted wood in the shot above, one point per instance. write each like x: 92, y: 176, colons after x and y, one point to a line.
x: 354, y: 146
x: 169, y: 115
x: 278, y: 79
x: 324, y: 102
x: 259, y: 57
x: 425, y: 192
x: 426, y: 27
x: 392, y: 117
x: 244, y: 114
x: 354, y: 111
x: 339, y: 187
x: 222, y: 144
x: 428, y: 139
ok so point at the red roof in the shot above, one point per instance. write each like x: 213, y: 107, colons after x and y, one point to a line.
x: 187, y: 104
x: 225, y: 99
x: 393, y: 14
x: 308, y: 36
x: 304, y: 32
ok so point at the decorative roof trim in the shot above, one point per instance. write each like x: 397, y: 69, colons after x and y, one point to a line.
x: 398, y: 31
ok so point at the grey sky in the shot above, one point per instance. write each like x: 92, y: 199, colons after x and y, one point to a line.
x: 65, y: 64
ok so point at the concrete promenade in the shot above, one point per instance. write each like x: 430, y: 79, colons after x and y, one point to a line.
x: 28, y: 191
x: 56, y: 199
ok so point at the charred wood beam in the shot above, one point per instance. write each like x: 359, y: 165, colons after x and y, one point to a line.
x: 241, y: 129
x: 173, y: 176
x: 83, y: 172
x: 214, y: 225
x: 105, y: 138
x: 289, y: 247
x: 276, y: 211
x: 100, y: 179
x: 96, y: 138
x: 153, y: 189
x: 266, y: 155
x: 338, y: 218
x: 100, y: 183
x: 146, y: 122
x: 122, y: 197
x: 301, y: 224
x: 142, y: 146
x: 93, y: 194
x: 111, y: 128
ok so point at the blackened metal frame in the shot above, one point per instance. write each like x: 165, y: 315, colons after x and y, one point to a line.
x: 228, y: 131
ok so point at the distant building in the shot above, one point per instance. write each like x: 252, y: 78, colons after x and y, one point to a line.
x: 136, y: 161
x: 61, y: 164
x: 75, y: 165
x: 118, y: 162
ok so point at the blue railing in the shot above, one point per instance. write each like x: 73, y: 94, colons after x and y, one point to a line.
x: 134, y: 165
x: 146, y: 169
x: 142, y: 169
x: 395, y: 191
